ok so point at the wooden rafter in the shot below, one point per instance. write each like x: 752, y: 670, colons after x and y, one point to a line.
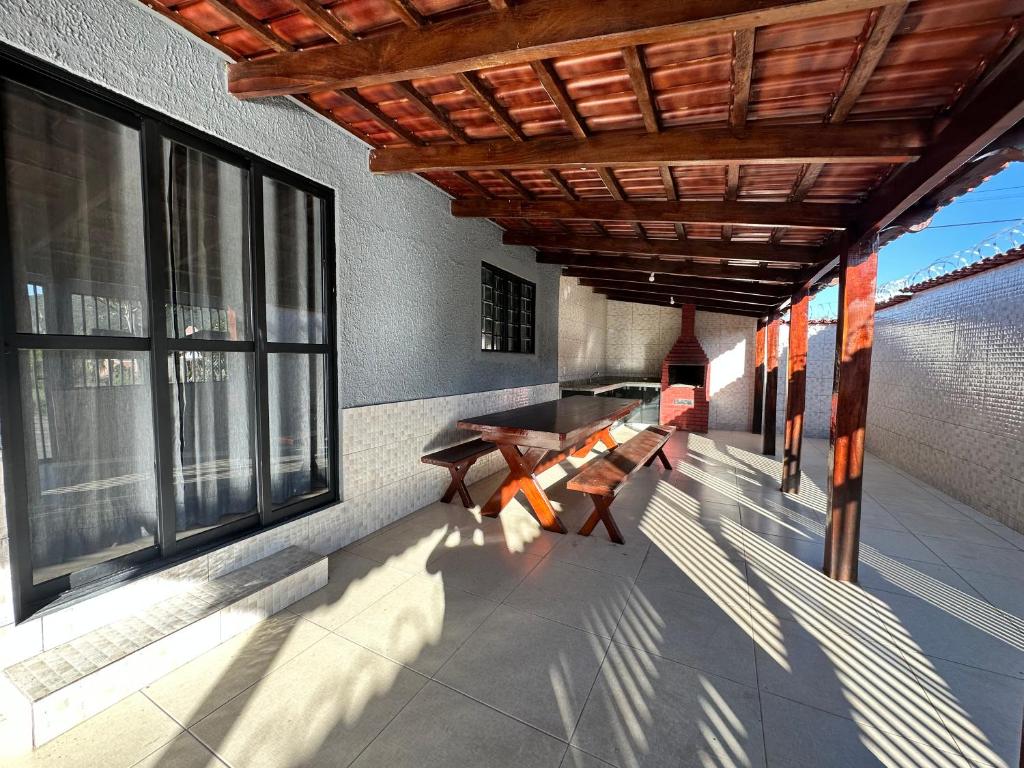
x: 553, y: 28
x: 641, y: 83
x: 555, y: 90
x: 515, y: 183
x: 353, y: 97
x: 252, y: 25
x: 471, y: 82
x: 697, y: 249
x: 742, y: 68
x: 875, y: 142
x: 480, y: 188
x: 649, y: 264
x: 409, y: 91
x: 325, y: 20
x: 407, y: 12
x: 797, y: 215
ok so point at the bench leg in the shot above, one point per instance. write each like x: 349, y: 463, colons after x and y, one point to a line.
x: 660, y: 454
x: 458, y: 484
x: 602, y: 514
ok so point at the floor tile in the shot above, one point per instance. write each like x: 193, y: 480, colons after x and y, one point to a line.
x: 195, y: 690
x: 353, y: 584
x: 599, y: 553
x: 851, y: 676
x: 953, y: 526
x: 420, y: 623
x: 1004, y: 591
x: 582, y: 598
x: 981, y: 710
x: 797, y: 736
x: 703, y: 569
x: 961, y: 555
x: 901, y: 544
x: 913, y: 578
x: 441, y: 728
x: 577, y: 758
x: 487, y: 569
x: 119, y: 737
x: 529, y: 667
x: 185, y: 751
x: 696, y: 631
x: 320, y: 709
x: 966, y: 631
x: 646, y: 711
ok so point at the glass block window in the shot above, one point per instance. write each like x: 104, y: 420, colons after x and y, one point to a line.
x: 507, y: 311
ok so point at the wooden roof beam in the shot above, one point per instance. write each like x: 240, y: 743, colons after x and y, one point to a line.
x: 881, y: 141
x: 696, y: 249
x: 540, y: 29
x: 794, y: 215
x: 627, y: 277
x: 649, y: 264
x: 685, y: 294
x: 327, y: 22
x: 704, y: 306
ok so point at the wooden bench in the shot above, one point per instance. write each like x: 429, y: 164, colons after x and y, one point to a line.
x: 603, y: 478
x: 457, y: 460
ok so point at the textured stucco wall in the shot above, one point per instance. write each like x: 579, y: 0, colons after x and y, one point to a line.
x: 582, y: 331
x: 408, y: 273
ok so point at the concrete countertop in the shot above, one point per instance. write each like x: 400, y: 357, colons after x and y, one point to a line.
x: 607, y: 384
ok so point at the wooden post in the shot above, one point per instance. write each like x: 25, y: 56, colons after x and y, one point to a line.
x: 759, y: 341
x: 771, y: 385
x: 796, y: 387
x: 854, y: 335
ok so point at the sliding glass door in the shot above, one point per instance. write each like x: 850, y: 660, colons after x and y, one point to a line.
x: 167, y: 304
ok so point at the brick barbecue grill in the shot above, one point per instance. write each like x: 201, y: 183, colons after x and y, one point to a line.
x: 684, y: 379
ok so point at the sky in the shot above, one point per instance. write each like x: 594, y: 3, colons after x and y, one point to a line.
x: 991, y: 208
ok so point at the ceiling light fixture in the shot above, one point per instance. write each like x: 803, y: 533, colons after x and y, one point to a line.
x: 651, y: 278
x: 672, y: 300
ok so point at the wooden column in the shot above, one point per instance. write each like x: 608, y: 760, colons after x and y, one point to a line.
x: 854, y: 334
x: 759, y: 341
x: 771, y: 385
x: 796, y: 387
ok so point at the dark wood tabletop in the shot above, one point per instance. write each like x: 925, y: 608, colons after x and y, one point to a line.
x: 556, y: 424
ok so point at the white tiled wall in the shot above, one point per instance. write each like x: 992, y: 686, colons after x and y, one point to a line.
x: 728, y: 341
x: 947, y: 390
x: 382, y: 445
x: 946, y: 402
x: 821, y: 353
x: 639, y: 337
x: 582, y: 329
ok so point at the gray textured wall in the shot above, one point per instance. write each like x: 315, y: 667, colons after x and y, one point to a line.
x: 409, y: 273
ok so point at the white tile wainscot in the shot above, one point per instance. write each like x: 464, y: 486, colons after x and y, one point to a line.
x: 382, y: 445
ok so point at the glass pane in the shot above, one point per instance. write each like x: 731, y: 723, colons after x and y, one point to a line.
x: 74, y: 197
x: 298, y: 425
x: 213, y: 418
x: 207, y: 245
x: 293, y: 247
x: 89, y: 452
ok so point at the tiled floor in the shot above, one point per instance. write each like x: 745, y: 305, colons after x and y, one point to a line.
x: 709, y: 639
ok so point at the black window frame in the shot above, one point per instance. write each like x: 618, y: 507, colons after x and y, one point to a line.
x: 154, y: 128
x: 495, y: 313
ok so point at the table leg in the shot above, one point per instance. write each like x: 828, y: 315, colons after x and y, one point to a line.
x: 604, y: 436
x: 521, y: 478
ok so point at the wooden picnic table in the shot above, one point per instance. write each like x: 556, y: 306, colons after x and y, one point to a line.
x: 536, y: 437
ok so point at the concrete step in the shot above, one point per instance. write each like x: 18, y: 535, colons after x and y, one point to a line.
x: 60, y: 687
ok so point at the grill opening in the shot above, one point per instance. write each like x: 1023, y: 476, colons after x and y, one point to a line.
x: 687, y: 375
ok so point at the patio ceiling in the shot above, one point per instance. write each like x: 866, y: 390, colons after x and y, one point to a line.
x: 722, y: 140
